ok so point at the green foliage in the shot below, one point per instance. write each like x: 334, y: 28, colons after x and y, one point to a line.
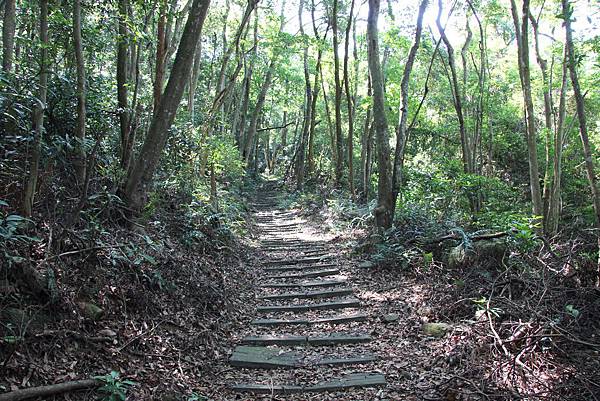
x: 12, y: 228
x: 523, y: 233
x: 114, y: 388
x: 570, y: 309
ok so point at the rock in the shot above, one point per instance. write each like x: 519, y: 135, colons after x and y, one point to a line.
x: 90, y: 310
x: 367, y: 264
x: 436, y: 329
x: 390, y: 317
x: 107, y: 333
x: 487, y: 251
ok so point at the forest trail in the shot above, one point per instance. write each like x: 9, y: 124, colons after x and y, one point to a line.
x: 309, y: 332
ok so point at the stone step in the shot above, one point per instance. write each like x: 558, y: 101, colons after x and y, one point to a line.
x: 311, y: 274
x: 305, y: 284
x: 340, y: 319
x: 286, y: 339
x: 272, y: 358
x: 309, y: 295
x: 343, y: 304
x: 296, y: 261
x: 298, y: 267
x: 352, y: 380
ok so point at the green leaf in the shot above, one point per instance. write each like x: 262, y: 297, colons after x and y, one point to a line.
x: 572, y: 311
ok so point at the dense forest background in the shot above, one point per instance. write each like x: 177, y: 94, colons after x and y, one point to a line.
x: 483, y: 113
x: 124, y: 122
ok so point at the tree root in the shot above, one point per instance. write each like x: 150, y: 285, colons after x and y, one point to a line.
x: 53, y: 389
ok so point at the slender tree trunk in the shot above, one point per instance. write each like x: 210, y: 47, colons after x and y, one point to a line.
x: 80, y: 158
x: 38, y: 114
x: 330, y: 128
x: 122, y: 81
x: 246, y: 84
x: 402, y: 123
x: 9, y: 26
x: 300, y: 156
x: 158, y: 133
x: 161, y: 54
x: 456, y: 92
x: 260, y: 102
x: 349, y: 103
x: 338, y: 98
x: 553, y: 216
x: 522, y: 36
x: 548, y: 174
x: 365, y: 147
x: 284, y: 132
x: 313, y: 115
x: 194, y: 75
x: 384, y: 210
x: 567, y: 12
x: 316, y: 88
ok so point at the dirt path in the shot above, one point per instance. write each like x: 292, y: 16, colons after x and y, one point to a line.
x: 309, y: 338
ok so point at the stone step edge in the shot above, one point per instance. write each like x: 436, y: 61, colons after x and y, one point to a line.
x: 341, y: 319
x: 349, y: 381
x: 331, y: 339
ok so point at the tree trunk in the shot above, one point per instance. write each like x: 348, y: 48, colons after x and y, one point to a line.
x: 349, y: 103
x: 402, y: 124
x: 522, y: 37
x: 193, y: 85
x: 567, y: 12
x: 338, y: 98
x: 9, y: 26
x: 308, y: 102
x: 38, y: 114
x: 384, y: 210
x: 246, y: 84
x: 553, y: 214
x: 316, y: 88
x: 161, y: 54
x: 122, y: 82
x: 80, y: 158
x: 260, y: 102
x: 331, y: 130
x: 365, y: 150
x: 158, y: 133
x: 548, y: 174
x: 456, y: 93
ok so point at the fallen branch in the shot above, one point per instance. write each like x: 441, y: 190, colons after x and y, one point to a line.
x: 457, y: 237
x: 75, y: 335
x: 47, y: 391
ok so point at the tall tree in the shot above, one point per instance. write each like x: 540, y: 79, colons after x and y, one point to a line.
x: 80, y: 157
x: 308, y: 102
x: 38, y: 113
x: 403, y: 121
x: 567, y: 13
x: 339, y: 166
x: 142, y: 172
x: 349, y: 102
x: 385, y: 207
x: 260, y: 101
x: 161, y: 53
x: 522, y: 39
x: 123, y: 81
x: 9, y: 25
